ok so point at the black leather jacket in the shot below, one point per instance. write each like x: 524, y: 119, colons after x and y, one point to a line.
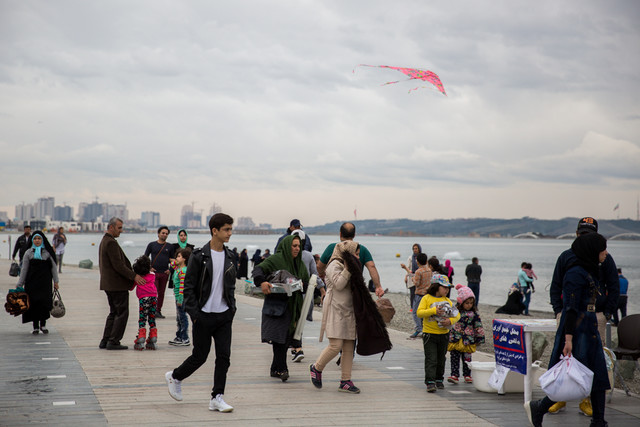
x: 197, y: 281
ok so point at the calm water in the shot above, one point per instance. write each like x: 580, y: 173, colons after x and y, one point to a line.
x: 500, y: 258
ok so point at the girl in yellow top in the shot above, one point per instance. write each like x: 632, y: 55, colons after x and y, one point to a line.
x: 439, y: 314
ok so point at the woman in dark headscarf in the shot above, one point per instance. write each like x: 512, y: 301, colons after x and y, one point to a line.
x: 256, y: 258
x: 38, y: 271
x: 280, y: 312
x: 243, y: 265
x: 577, y: 333
x: 411, y: 269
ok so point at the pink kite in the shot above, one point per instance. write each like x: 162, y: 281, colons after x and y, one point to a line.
x: 414, y: 74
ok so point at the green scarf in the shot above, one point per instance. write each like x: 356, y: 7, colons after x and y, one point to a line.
x: 183, y: 245
x: 283, y: 260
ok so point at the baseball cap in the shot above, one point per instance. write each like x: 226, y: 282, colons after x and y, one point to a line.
x: 295, y: 223
x: 587, y: 224
x: 441, y: 280
x: 298, y: 233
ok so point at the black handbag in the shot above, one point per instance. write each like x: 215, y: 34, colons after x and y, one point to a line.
x: 58, y: 309
x: 14, y: 270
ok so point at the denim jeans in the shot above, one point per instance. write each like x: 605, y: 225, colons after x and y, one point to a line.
x: 526, y: 299
x: 475, y: 288
x: 414, y: 307
x: 182, y: 322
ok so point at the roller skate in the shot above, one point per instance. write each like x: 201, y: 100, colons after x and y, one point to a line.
x: 138, y: 343
x: 152, y: 340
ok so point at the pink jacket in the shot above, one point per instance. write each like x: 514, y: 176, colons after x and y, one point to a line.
x: 149, y: 288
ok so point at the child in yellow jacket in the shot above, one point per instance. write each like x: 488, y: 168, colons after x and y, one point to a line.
x: 439, y: 314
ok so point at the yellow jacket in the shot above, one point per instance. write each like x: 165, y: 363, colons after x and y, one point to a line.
x: 427, y: 312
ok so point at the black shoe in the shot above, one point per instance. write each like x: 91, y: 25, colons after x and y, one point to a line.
x: 103, y: 344
x: 431, y: 387
x: 534, y: 414
x: 44, y: 330
x: 284, y: 375
x: 116, y: 346
x: 36, y: 331
x: 159, y: 316
x: 439, y: 385
x: 298, y: 356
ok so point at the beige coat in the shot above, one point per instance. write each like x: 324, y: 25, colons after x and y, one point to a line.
x: 338, y: 317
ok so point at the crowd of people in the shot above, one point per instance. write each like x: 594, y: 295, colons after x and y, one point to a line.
x: 586, y: 291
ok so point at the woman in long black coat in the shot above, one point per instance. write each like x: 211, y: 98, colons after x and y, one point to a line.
x: 39, y: 270
x: 243, y: 265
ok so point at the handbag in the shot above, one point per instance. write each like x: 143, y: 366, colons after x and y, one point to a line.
x: 14, y: 270
x: 58, y: 309
x: 17, y: 302
x: 567, y: 380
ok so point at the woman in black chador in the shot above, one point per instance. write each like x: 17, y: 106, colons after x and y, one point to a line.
x: 38, y: 272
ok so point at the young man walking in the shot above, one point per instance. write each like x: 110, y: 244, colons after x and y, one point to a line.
x: 209, y: 299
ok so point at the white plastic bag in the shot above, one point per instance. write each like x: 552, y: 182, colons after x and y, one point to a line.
x: 567, y: 380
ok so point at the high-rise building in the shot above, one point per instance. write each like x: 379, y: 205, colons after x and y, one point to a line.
x: 245, y: 223
x: 63, y: 213
x: 91, y: 211
x: 189, y: 218
x: 24, y: 212
x: 44, y: 207
x: 118, y: 211
x: 150, y: 219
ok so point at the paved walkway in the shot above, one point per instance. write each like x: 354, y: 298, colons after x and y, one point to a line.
x: 64, y: 379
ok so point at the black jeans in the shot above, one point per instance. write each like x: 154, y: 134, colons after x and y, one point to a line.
x: 435, y: 352
x: 205, y: 327
x: 118, y: 315
x: 622, y: 307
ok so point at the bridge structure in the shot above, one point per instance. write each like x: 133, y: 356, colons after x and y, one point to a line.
x: 625, y: 235
x: 527, y: 235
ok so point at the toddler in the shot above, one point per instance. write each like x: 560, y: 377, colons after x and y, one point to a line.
x: 148, y: 296
x: 465, y: 335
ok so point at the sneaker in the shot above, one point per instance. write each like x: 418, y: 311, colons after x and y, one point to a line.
x: 316, y: 376
x: 36, y: 331
x: 439, y: 385
x: 415, y: 335
x: 468, y: 379
x: 175, y: 386
x: 431, y: 387
x: 532, y: 408
x: 298, y: 356
x: 585, y: 407
x: 185, y: 343
x: 44, y: 330
x: 348, y: 387
x: 103, y: 344
x: 557, y: 407
x: 175, y: 341
x: 453, y: 379
x: 218, y: 404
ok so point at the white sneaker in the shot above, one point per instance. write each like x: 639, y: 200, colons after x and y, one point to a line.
x: 175, y: 386
x: 218, y: 404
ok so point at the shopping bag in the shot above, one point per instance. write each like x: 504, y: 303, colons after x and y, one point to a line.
x: 58, y: 309
x: 14, y: 270
x: 567, y: 380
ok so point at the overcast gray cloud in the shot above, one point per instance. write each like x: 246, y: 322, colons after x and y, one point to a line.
x: 259, y: 107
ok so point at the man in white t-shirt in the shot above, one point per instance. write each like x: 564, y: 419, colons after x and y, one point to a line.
x: 209, y: 299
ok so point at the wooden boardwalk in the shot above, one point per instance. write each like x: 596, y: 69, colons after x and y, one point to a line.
x: 64, y: 379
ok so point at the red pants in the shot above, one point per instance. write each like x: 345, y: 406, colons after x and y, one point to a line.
x: 161, y: 286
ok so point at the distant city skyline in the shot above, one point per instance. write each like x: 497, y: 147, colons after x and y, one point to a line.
x: 261, y: 108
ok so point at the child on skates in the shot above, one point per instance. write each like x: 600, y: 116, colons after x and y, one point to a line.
x: 438, y: 314
x: 148, y: 297
x: 465, y: 335
x: 179, y: 266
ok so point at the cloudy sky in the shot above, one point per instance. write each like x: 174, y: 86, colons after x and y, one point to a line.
x: 256, y: 106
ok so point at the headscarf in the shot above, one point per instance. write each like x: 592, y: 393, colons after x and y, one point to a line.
x: 38, y: 249
x: 342, y: 248
x: 414, y: 260
x: 587, y: 248
x: 283, y: 260
x: 448, y: 268
x: 256, y: 257
x: 183, y: 245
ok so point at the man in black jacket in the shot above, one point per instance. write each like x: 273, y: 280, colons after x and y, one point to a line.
x: 209, y: 299
x: 21, y: 244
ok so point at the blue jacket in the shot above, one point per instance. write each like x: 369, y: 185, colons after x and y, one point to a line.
x: 609, y: 287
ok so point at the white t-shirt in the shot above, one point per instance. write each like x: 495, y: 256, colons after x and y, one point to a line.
x: 216, y: 302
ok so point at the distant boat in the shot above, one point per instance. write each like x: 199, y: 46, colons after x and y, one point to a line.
x: 128, y: 243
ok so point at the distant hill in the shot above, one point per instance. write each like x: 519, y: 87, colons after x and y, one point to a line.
x: 480, y: 227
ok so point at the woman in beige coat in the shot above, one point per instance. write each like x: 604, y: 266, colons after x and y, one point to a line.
x: 338, y: 318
